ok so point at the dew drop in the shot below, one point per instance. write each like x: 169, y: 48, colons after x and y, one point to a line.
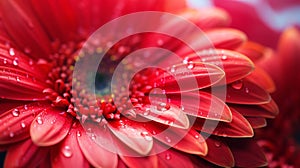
x: 168, y: 156
x: 182, y: 108
x: 5, y: 61
x: 25, y: 107
x: 247, y: 90
x: 93, y: 136
x: 191, y: 65
x: 12, y: 52
x: 15, y: 113
x: 163, y: 104
x: 78, y: 133
x: 217, y: 144
x: 168, y: 139
x: 27, y: 50
x: 186, y: 60
x: 16, y: 62
x: 197, y: 136
x: 237, y: 85
x: 146, y: 136
x: 23, y: 125
x: 39, y: 120
x: 67, y: 152
x: 30, y: 62
x: 160, y: 42
x: 18, y: 79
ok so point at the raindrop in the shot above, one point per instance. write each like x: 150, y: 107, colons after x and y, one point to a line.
x: 217, y: 144
x: 15, y: 113
x: 186, y: 60
x: 168, y: 156
x: 247, y: 90
x: 30, y: 62
x: 25, y: 107
x: 39, y: 120
x: 93, y: 136
x: 5, y: 61
x: 197, y: 136
x: 11, y: 52
x: 168, y: 139
x: 16, y: 62
x: 237, y: 85
x: 182, y: 108
x: 146, y: 112
x: 27, y: 50
x: 23, y: 125
x: 146, y: 136
x: 67, y: 152
x: 191, y: 65
x: 53, y: 121
x: 78, y: 133
x: 163, y: 104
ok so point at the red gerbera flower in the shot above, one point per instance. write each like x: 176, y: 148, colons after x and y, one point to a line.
x: 50, y: 118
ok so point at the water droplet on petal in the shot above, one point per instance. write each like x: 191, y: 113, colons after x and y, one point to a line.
x: 168, y: 139
x: 23, y: 125
x: 15, y: 113
x: 237, y: 85
x: 30, y: 62
x: 27, y: 50
x: 191, y: 65
x: 93, y: 136
x: 18, y: 79
x: 67, y: 152
x: 168, y: 156
x: 182, y: 108
x: 39, y: 120
x: 16, y: 62
x: 197, y: 136
x: 217, y: 144
x: 224, y: 57
x: 78, y: 133
x: 186, y: 60
x: 11, y: 134
x: 5, y: 61
x: 11, y: 52
x: 25, y: 107
x: 160, y: 42
x: 247, y: 90
x: 173, y: 68
x: 146, y: 136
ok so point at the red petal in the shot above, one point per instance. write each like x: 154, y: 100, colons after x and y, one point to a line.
x: 100, y: 145
x: 173, y: 116
x: 168, y: 157
x: 187, y: 141
x: 269, y: 110
x: 261, y: 78
x: 189, y: 76
x: 257, y: 122
x: 24, y: 28
x: 203, y: 105
x: 68, y: 153
x: 246, y: 92
x: 235, y: 65
x: 207, y: 18
x: 137, y: 162
x: 10, y: 104
x: 226, y: 38
x: 50, y: 127
x: 19, y: 85
x: 25, y: 154
x: 238, y: 127
x: 247, y: 153
x: 254, y: 51
x: 218, y: 152
x: 15, y: 123
x: 133, y: 135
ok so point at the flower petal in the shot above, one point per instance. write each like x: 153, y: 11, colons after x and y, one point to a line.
x: 168, y: 157
x: 208, y: 18
x: 202, y: 104
x: 238, y: 127
x: 254, y: 51
x: 50, y: 127
x: 246, y: 92
x: 89, y: 146
x: 15, y: 123
x: 188, y: 141
x: 218, y: 152
x: 247, y: 153
x: 257, y: 122
x: 133, y: 135
x: 188, y: 76
x: 226, y: 38
x: 235, y: 65
x: 261, y: 78
x: 269, y: 110
x: 68, y: 153
x: 24, y: 28
x: 173, y: 116
x: 25, y: 154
